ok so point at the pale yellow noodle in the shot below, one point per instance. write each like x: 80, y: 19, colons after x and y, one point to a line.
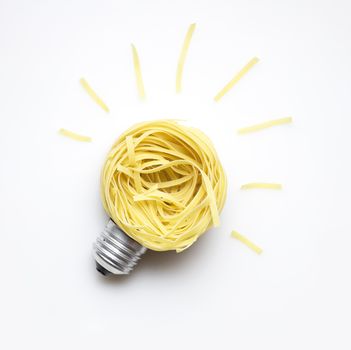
x: 137, y: 70
x: 74, y: 136
x: 236, y: 78
x: 163, y: 184
x: 93, y: 95
x: 182, y: 56
x: 261, y: 185
x: 265, y: 125
x: 247, y: 242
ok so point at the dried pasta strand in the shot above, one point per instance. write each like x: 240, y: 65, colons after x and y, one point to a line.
x: 261, y: 185
x: 93, y: 95
x: 265, y: 125
x: 163, y: 184
x: 236, y: 78
x: 75, y: 136
x: 138, y: 75
x: 182, y: 56
x: 247, y: 242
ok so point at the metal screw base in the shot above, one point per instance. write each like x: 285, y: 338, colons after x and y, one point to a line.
x: 115, y: 252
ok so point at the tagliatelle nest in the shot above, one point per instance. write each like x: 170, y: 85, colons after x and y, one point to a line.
x: 163, y: 184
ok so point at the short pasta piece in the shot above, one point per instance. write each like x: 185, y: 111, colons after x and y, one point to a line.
x: 93, y: 94
x: 236, y: 78
x: 265, y: 125
x: 75, y: 136
x: 182, y: 56
x: 138, y: 75
x: 261, y: 185
x: 247, y: 242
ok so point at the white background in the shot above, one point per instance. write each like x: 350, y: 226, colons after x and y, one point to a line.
x: 218, y: 294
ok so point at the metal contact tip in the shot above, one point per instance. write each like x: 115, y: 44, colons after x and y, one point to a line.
x: 101, y: 269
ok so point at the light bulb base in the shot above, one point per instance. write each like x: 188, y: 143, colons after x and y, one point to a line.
x: 115, y: 252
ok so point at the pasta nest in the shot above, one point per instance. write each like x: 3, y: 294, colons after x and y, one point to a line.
x: 163, y: 184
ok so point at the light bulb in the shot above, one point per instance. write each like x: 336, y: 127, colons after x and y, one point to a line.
x: 163, y: 186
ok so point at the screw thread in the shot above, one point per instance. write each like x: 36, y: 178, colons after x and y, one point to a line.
x: 115, y: 252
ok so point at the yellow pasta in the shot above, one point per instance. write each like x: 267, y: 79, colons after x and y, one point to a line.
x: 182, y: 56
x: 163, y: 184
x: 265, y: 125
x: 236, y: 78
x: 261, y: 185
x: 93, y: 95
x: 247, y: 242
x: 137, y: 70
x: 74, y: 136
